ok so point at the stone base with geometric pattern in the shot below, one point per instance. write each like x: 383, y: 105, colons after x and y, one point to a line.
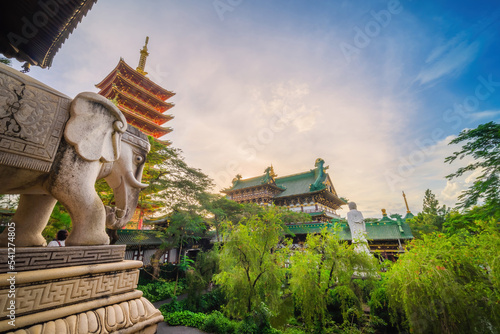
x: 95, y: 298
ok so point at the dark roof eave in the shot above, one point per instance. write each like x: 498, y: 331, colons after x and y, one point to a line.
x: 41, y: 48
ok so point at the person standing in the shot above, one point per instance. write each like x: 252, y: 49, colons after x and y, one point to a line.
x: 60, y: 239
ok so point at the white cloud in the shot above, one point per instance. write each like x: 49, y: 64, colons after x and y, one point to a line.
x: 486, y: 114
x: 447, y: 59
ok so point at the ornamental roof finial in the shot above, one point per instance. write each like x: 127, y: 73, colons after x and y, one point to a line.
x: 407, y: 208
x: 142, y: 60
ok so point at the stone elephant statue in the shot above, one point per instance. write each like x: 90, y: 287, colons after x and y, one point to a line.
x: 54, y: 149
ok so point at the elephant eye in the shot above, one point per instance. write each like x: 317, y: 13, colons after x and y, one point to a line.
x: 139, y: 159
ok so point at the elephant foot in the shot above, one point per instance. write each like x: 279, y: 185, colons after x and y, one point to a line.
x: 87, y: 238
x: 23, y: 239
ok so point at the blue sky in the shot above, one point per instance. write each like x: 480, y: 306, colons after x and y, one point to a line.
x: 375, y: 88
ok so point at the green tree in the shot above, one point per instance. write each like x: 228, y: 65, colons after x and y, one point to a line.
x: 181, y: 228
x: 483, y: 145
x: 173, y: 184
x: 323, y: 264
x: 5, y: 61
x: 432, y: 217
x: 467, y: 220
x: 200, y: 276
x: 448, y: 283
x: 222, y: 210
x: 252, y: 264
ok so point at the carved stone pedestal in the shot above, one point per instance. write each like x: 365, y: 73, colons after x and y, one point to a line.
x: 73, y: 290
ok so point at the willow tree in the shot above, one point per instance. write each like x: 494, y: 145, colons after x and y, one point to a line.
x: 323, y: 264
x: 449, y: 283
x: 252, y: 265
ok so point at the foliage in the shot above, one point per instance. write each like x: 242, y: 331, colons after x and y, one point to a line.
x: 216, y: 322
x: 325, y: 263
x: 9, y: 203
x: 379, y: 309
x: 59, y: 220
x: 181, y: 228
x: 344, y: 305
x: 172, y: 184
x: 5, y: 61
x: 456, y: 275
x: 432, y: 217
x: 211, y: 301
x: 252, y: 268
x: 466, y: 222
x: 159, y: 290
x: 257, y: 322
x: 363, y: 288
x: 222, y: 210
x: 185, y: 318
x: 483, y: 145
x: 198, y: 279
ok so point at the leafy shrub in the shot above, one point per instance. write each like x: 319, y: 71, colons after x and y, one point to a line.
x: 157, y: 291
x: 185, y: 318
x: 258, y: 322
x: 381, y: 318
x: 212, y: 301
x: 216, y: 322
x: 344, y: 305
x: 173, y: 306
x: 207, y: 303
x: 293, y: 330
x: 363, y: 288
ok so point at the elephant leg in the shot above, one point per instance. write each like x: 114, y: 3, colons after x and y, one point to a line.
x: 88, y: 217
x: 31, y: 217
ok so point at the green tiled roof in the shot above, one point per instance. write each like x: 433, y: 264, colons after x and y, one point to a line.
x: 382, y: 230
x: 138, y: 237
x: 296, y: 184
x: 247, y: 183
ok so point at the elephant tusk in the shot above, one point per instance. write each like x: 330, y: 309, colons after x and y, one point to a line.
x: 133, y: 182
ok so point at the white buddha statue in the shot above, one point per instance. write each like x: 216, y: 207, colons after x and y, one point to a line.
x: 358, y: 228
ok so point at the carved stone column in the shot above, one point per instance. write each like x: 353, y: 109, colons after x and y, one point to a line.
x: 87, y: 289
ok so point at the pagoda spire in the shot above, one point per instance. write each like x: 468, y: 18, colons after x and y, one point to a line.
x: 142, y: 61
x: 407, y: 208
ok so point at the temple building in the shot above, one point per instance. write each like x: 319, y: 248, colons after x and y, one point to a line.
x: 142, y: 101
x: 311, y: 192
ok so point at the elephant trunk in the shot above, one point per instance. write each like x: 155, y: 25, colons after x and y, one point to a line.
x: 126, y: 198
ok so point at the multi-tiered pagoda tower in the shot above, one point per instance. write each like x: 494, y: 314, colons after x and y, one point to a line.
x: 140, y: 99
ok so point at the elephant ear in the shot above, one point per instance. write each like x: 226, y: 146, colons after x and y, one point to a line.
x: 95, y: 127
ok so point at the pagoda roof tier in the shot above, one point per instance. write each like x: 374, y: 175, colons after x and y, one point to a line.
x: 127, y: 111
x: 137, y: 78
x: 138, y: 106
x: 144, y: 124
x: 126, y: 85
